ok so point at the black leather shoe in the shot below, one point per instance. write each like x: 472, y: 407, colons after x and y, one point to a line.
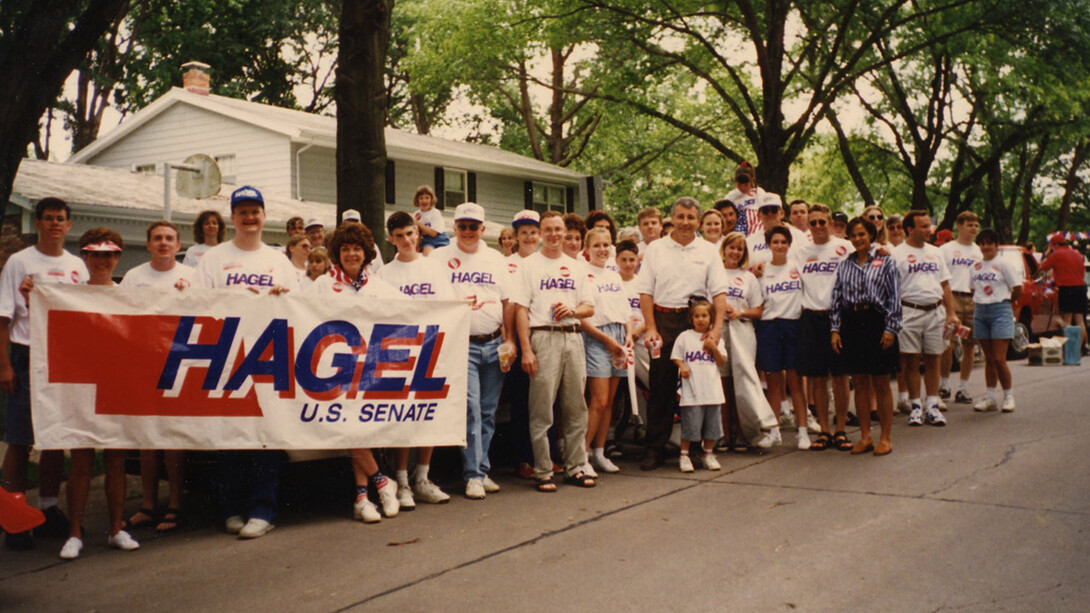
x: 651, y: 460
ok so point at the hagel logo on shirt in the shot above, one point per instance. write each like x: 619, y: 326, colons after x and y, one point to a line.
x: 564, y: 272
x: 698, y: 356
x: 923, y: 267
x: 735, y: 292
x: 609, y: 288
x: 417, y: 289
x: 476, y: 278
x: 252, y: 279
x: 512, y: 267
x: 985, y: 277
x: 554, y: 283
x: 962, y: 261
x: 820, y: 267
x: 634, y: 303
x: 454, y: 263
x: 841, y: 250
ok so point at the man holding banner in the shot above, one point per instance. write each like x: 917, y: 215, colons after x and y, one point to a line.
x: 45, y: 262
x: 248, y: 478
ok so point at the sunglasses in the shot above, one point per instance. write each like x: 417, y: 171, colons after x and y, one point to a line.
x: 874, y: 217
x: 472, y: 227
x: 814, y: 223
x: 101, y: 254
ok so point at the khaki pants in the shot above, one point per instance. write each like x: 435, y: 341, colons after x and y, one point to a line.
x: 561, y: 374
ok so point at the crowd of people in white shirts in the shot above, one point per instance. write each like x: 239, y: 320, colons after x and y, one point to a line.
x: 731, y: 323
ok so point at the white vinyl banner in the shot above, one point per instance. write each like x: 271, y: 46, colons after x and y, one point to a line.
x: 213, y: 369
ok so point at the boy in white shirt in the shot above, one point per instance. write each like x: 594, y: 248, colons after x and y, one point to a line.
x: 429, y: 221
x: 961, y: 256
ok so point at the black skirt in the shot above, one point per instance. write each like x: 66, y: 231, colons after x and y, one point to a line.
x: 861, y: 340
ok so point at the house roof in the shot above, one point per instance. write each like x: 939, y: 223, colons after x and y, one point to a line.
x: 137, y: 195
x: 321, y: 130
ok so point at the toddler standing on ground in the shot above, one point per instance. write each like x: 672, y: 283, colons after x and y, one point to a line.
x: 698, y: 361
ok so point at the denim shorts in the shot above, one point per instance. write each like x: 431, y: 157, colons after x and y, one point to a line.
x: 993, y: 321
x: 599, y: 359
x: 701, y: 422
x: 437, y: 241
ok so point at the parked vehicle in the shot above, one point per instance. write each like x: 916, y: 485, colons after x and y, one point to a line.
x: 1035, y: 309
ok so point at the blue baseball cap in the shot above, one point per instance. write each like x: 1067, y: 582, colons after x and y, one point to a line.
x: 246, y: 193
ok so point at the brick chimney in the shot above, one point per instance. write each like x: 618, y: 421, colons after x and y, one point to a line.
x: 195, y: 78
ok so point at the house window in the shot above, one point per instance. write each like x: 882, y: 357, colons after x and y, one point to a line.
x: 455, y: 187
x: 227, y: 167
x: 145, y: 169
x: 548, y: 197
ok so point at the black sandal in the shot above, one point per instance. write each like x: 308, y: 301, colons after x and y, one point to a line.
x: 170, y: 516
x: 546, y: 486
x: 822, y: 442
x: 129, y: 524
x: 581, y: 479
x: 740, y: 446
x: 841, y: 441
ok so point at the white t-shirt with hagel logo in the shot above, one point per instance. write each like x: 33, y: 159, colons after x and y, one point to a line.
x: 817, y: 265
x: 922, y: 271
x: 485, y: 275
x: 743, y: 290
x: 420, y: 279
x: 959, y: 261
x: 227, y: 266
x: 782, y: 288
x: 65, y: 268
x: 703, y: 386
x: 993, y: 281
x: 543, y: 281
x: 611, y: 304
x: 632, y: 296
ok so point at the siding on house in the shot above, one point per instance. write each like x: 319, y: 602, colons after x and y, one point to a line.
x: 262, y: 158
x: 318, y: 174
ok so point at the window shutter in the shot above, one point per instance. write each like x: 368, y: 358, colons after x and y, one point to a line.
x: 439, y: 191
x: 471, y: 187
x: 390, y: 182
x: 528, y: 195
x: 569, y: 205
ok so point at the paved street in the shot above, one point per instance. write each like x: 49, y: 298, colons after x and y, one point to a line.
x: 991, y: 513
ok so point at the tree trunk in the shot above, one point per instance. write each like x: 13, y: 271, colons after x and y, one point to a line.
x: 361, y: 110
x: 47, y: 42
x: 1027, y: 187
x: 849, y: 160
x: 1078, y: 158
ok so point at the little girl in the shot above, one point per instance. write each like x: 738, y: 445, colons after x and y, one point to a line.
x: 429, y: 220
x: 698, y: 361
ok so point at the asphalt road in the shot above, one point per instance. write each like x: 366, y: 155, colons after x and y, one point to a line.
x: 991, y: 513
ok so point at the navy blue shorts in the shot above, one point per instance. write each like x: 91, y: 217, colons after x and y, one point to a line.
x: 777, y: 344
x: 19, y: 429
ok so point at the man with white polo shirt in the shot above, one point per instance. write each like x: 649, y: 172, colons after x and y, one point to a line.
x: 770, y: 214
x: 479, y: 274
x: 928, y: 308
x: 419, y: 278
x: 551, y: 296
x: 248, y: 479
x: 674, y: 269
x: 818, y: 262
x: 960, y: 256
x: 162, y: 271
x: 44, y: 262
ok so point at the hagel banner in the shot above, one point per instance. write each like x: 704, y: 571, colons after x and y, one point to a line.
x: 211, y: 369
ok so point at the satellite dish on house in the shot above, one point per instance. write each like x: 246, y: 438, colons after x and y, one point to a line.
x: 198, y: 177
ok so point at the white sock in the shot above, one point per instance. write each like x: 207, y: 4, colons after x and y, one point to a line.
x: 600, y: 453
x: 402, y: 477
x: 932, y: 401
x: 915, y: 402
x: 993, y: 392
x: 421, y: 472
x: 944, y: 383
x: 902, y: 396
x: 47, y: 501
x: 1008, y: 394
x: 963, y: 385
x: 803, y: 432
x: 685, y: 452
x: 775, y: 431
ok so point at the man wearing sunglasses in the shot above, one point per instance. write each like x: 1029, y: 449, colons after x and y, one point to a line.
x: 770, y: 214
x: 818, y: 262
x: 478, y: 274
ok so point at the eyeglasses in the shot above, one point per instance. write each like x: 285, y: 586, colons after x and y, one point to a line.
x: 472, y: 227
x: 101, y: 254
x: 817, y: 222
x: 874, y: 217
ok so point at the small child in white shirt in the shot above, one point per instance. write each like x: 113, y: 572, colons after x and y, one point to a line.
x: 429, y: 220
x: 698, y: 361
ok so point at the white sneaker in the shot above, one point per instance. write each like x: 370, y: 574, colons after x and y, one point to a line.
x: 764, y: 441
x: 604, y: 464
x: 490, y: 486
x: 1008, y: 404
x: 711, y: 462
x: 234, y: 524
x: 405, y: 499
x: 942, y: 405
x: 685, y: 464
x: 934, y: 417
x: 255, y: 528
x: 775, y: 437
x: 904, y: 406
x: 804, y: 441
x: 387, y: 496
x: 366, y: 511
x: 787, y: 420
x: 429, y: 492
x: 475, y: 489
x: 71, y: 548
x: 812, y: 424
x: 915, y: 418
x: 123, y: 541
x: 589, y: 470
x: 986, y: 403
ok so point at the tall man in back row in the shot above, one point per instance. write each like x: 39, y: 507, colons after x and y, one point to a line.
x: 961, y: 256
x: 674, y: 269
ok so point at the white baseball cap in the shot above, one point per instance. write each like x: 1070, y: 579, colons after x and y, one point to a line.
x: 313, y: 221
x: 470, y: 211
x: 525, y: 217
x: 351, y: 215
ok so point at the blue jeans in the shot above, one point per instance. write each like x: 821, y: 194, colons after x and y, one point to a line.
x: 483, y: 394
x: 248, y: 483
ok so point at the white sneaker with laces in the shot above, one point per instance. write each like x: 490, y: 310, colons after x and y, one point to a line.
x: 764, y: 441
x: 428, y: 492
x: 604, y: 464
x: 1008, y: 404
x: 963, y: 397
x: 405, y: 497
x: 123, y: 541
x: 71, y: 548
x: 787, y: 420
x: 986, y: 403
x: 934, y: 417
x: 490, y: 486
x: 812, y: 423
x: 685, y: 464
x: 804, y: 441
x: 255, y: 528
x: 387, y: 496
x: 475, y: 489
x: 366, y: 511
x: 234, y: 524
x: 711, y: 462
x: 915, y: 418
x: 777, y: 440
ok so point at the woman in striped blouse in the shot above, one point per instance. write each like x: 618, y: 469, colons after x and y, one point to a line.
x: 865, y: 319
